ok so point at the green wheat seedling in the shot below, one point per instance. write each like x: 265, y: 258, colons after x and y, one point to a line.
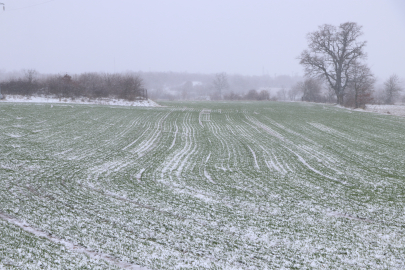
x: 201, y: 185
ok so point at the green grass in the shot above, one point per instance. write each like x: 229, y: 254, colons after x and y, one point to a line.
x: 261, y: 185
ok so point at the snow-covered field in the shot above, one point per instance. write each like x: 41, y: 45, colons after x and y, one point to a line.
x: 398, y: 110
x: 201, y: 185
x: 83, y: 100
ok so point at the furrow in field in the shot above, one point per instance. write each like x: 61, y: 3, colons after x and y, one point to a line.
x: 313, y: 169
x: 141, y: 149
x: 147, y: 145
x: 224, y: 153
x: 189, y: 160
x: 174, y: 161
x: 175, y: 135
x: 146, y: 130
x: 267, y: 144
x: 238, y: 154
x: 266, y: 128
x: 254, y: 157
x: 254, y: 185
x: 272, y: 162
x: 320, y: 161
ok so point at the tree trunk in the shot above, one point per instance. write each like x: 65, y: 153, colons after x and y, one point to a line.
x: 340, y: 99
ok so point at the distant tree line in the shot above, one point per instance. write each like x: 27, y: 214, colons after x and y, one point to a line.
x: 359, y: 90
x: 90, y: 85
x: 220, y: 85
x: 252, y: 94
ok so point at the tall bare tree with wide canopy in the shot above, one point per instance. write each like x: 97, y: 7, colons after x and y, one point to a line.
x: 332, y: 53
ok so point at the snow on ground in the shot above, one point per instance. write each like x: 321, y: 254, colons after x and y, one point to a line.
x: 80, y: 100
x: 251, y: 185
x: 77, y: 248
x: 398, y: 110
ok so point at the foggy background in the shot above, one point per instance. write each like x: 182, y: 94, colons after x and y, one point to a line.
x: 244, y: 37
x: 170, y: 42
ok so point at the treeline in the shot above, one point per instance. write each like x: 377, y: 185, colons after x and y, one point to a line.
x: 160, y: 85
x: 252, y: 94
x: 91, y: 85
x: 360, y: 90
x: 196, y: 86
x: 357, y: 94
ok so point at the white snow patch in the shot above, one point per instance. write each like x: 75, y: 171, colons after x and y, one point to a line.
x: 313, y: 169
x: 398, y: 110
x: 14, y: 135
x: 80, y: 100
x: 139, y: 175
x: 254, y: 157
x: 206, y: 174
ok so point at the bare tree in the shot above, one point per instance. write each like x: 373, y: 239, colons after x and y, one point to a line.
x: 186, y: 89
x: 252, y: 95
x: 282, y: 94
x: 310, y: 88
x: 129, y: 87
x: 332, y: 52
x: 26, y: 85
x: 264, y: 95
x: 93, y: 85
x: 232, y: 96
x: 30, y: 75
x: 392, y: 87
x: 220, y: 84
x: 293, y: 92
x: 361, y: 85
x: 66, y: 86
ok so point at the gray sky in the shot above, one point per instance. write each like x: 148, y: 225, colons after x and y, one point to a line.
x: 207, y: 36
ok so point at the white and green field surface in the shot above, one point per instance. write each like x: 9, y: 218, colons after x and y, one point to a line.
x: 201, y: 185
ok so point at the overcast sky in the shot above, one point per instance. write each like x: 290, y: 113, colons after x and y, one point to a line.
x: 208, y: 36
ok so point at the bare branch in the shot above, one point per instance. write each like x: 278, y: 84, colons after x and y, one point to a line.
x: 332, y: 52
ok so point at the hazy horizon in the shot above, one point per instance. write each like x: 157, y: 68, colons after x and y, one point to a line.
x: 237, y: 37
